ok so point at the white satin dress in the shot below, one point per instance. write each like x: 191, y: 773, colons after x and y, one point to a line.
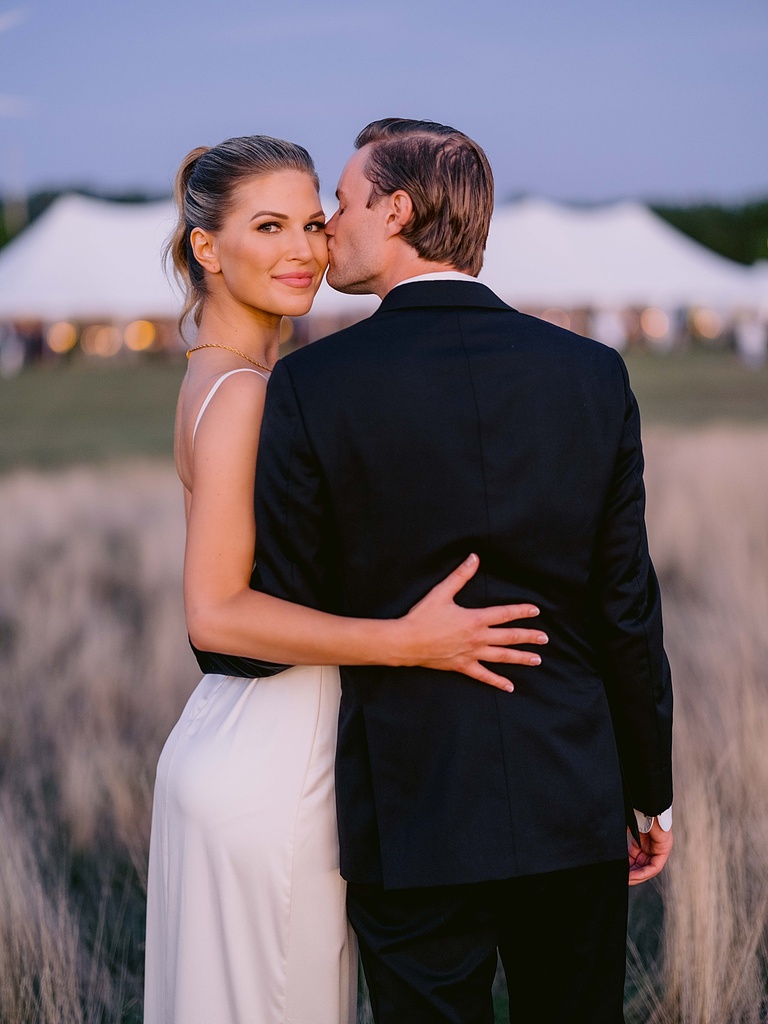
x: 246, y: 920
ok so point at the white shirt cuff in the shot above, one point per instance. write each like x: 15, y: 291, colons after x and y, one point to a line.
x: 645, y: 821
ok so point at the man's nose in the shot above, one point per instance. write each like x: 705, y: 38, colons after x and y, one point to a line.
x: 330, y: 225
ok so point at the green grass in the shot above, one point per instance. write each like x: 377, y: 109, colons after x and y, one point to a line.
x: 59, y: 415
x: 696, y: 387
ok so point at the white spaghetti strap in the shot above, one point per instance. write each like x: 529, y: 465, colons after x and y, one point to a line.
x: 215, y: 388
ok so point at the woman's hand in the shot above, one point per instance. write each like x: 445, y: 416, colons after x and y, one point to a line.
x: 441, y: 634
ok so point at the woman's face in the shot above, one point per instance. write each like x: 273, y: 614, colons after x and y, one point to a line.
x: 271, y: 250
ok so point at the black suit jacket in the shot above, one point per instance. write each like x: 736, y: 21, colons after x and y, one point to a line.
x: 448, y: 423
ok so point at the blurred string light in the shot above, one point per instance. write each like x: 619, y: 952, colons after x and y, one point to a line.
x: 654, y: 324
x: 61, y: 337
x: 557, y: 316
x: 139, y: 335
x: 286, y: 329
x: 706, y: 323
x: 101, y: 340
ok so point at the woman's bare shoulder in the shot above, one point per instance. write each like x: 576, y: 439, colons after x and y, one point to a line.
x: 220, y: 411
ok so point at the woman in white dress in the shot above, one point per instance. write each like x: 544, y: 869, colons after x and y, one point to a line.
x: 246, y: 921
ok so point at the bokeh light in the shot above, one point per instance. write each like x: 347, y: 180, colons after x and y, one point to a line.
x: 286, y: 330
x: 654, y: 323
x: 706, y: 323
x: 101, y: 340
x: 557, y: 316
x: 61, y: 337
x: 139, y: 335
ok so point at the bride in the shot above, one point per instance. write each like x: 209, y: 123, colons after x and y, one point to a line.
x: 246, y: 915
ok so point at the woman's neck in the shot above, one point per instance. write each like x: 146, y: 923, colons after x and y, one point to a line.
x: 253, y: 332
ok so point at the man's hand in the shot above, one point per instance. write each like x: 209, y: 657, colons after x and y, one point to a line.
x: 647, y: 859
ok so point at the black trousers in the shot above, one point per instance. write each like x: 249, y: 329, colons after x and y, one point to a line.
x: 429, y: 954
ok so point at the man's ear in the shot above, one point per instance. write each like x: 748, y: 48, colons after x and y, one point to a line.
x: 204, y: 248
x: 400, y: 211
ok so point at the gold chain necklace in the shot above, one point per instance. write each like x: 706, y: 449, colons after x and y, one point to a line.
x: 236, y: 351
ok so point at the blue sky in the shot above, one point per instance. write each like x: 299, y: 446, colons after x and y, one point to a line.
x: 574, y: 99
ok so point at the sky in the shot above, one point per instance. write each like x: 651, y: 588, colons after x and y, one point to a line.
x: 585, y: 100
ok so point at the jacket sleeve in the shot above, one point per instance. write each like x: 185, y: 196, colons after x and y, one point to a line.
x: 297, y: 553
x: 629, y: 628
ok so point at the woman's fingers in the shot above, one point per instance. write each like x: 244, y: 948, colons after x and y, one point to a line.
x: 493, y: 616
x: 502, y: 613
x: 508, y: 656
x: 504, y: 637
x: 484, y: 675
x: 461, y: 575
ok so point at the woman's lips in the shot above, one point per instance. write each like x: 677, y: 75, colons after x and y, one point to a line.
x: 295, y: 280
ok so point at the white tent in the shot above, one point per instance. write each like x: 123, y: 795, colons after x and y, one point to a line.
x: 542, y: 253
x: 87, y: 259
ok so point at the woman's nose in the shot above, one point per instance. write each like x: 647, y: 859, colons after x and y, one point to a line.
x: 300, y: 246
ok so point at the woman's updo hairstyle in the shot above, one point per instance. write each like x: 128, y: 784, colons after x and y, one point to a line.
x: 203, y: 191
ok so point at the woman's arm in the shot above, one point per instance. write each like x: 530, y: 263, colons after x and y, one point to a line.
x: 223, y: 613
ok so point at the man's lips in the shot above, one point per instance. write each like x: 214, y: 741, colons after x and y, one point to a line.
x: 297, y: 280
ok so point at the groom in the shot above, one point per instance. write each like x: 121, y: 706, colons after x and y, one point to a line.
x: 473, y: 820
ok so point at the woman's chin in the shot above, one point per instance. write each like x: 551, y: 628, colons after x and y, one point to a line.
x: 296, y: 308
x: 298, y: 305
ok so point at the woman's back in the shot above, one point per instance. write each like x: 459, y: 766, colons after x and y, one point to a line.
x: 197, y: 392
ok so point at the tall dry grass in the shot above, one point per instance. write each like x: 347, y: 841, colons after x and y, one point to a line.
x: 708, y: 523
x: 94, y: 668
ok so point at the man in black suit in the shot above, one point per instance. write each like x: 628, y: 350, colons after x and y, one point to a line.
x: 473, y: 820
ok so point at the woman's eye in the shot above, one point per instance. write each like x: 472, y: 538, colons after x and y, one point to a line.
x: 269, y: 228
x: 315, y: 226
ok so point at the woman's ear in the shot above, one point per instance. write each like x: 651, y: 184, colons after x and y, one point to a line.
x: 204, y: 248
x: 400, y: 211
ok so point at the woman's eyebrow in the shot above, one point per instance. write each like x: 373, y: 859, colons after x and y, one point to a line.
x: 282, y: 216
x: 270, y: 213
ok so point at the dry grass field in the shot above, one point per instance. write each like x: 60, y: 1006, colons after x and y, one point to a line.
x: 94, y: 667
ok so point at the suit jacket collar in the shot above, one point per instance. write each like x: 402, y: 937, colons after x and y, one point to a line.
x: 426, y: 294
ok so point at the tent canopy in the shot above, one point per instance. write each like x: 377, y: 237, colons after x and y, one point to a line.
x: 542, y: 253
x: 88, y: 259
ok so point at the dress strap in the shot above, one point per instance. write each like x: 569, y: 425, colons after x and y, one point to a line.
x: 217, y: 384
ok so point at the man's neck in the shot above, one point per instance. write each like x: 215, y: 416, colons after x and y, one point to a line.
x: 412, y: 268
x: 440, y: 275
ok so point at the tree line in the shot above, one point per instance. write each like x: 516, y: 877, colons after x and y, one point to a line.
x: 738, y: 232
x: 16, y: 214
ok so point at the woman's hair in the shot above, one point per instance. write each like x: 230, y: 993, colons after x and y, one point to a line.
x: 449, y: 180
x: 203, y: 190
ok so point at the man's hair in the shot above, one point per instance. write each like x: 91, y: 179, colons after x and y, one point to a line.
x: 448, y: 178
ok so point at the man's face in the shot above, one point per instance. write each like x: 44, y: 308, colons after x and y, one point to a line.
x: 356, y: 232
